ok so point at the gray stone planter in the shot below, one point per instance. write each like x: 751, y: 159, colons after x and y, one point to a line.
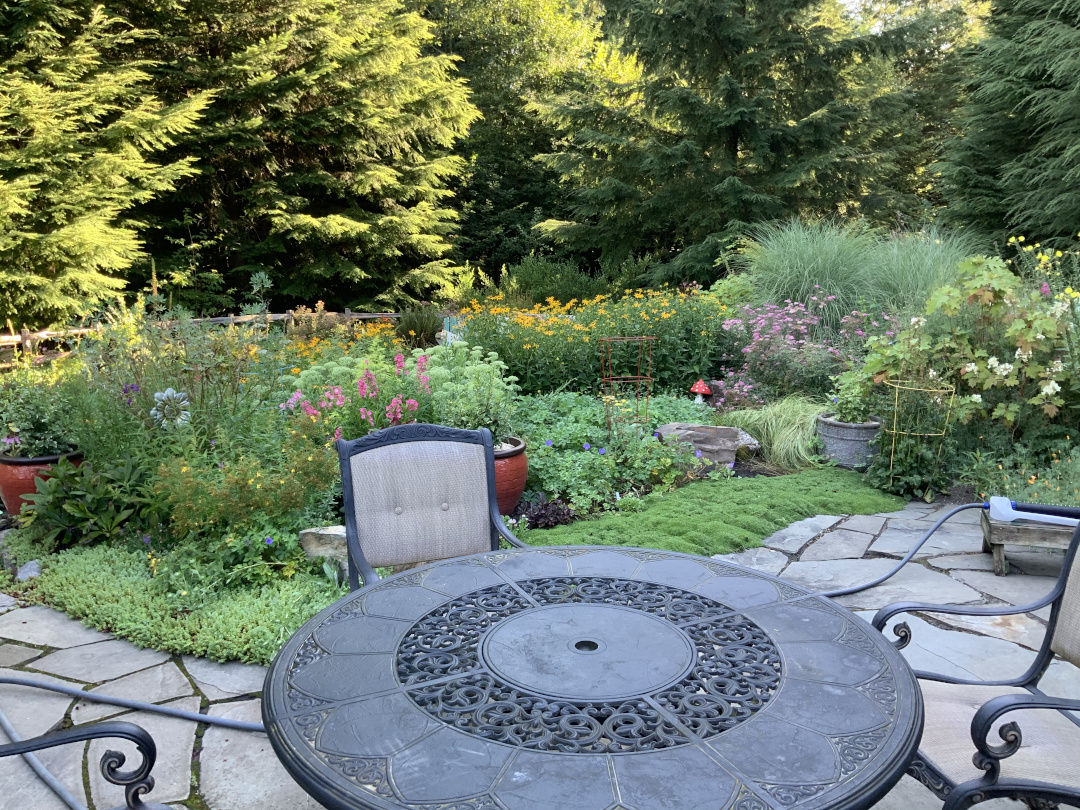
x: 847, y: 443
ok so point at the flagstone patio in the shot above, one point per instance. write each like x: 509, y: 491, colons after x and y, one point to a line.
x: 209, y: 768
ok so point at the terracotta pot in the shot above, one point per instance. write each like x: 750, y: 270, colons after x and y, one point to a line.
x: 511, y: 470
x: 17, y: 476
x: 848, y: 443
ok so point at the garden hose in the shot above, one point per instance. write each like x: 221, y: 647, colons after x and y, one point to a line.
x: 49, y: 779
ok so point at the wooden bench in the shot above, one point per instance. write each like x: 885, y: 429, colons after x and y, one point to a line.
x: 996, y: 533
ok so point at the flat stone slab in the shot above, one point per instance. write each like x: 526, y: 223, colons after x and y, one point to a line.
x: 239, y: 770
x: 760, y: 559
x: 153, y: 685
x: 7, y: 602
x: 49, y: 628
x: 968, y: 516
x: 965, y: 562
x: 220, y: 681
x: 1016, y: 589
x: 912, y: 583
x: 900, y: 535
x: 799, y: 533
x: 21, y: 787
x: 839, y: 544
x: 325, y: 541
x: 959, y: 654
x: 913, y: 511
x: 1019, y: 629
x: 871, y: 524
x: 14, y: 654
x: 32, y: 711
x: 103, y: 661
x: 175, y: 741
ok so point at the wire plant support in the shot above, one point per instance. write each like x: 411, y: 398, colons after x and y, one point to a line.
x: 626, y: 370
x: 921, y: 402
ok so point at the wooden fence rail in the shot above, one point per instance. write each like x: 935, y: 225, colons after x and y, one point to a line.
x: 28, y: 340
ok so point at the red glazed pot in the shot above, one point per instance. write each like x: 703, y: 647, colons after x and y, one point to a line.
x: 511, y: 470
x: 17, y: 476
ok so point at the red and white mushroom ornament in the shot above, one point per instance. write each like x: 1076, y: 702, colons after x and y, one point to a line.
x: 700, y: 388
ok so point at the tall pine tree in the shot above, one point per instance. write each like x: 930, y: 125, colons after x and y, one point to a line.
x: 77, y: 130
x: 742, y: 114
x: 325, y: 157
x: 1016, y: 166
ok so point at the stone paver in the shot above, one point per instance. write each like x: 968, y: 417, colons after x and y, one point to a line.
x: 900, y: 535
x: 968, y: 516
x: 32, y: 711
x: 800, y: 533
x: 965, y: 562
x: 839, y: 544
x: 47, y: 627
x: 240, y: 771
x: 153, y: 685
x: 871, y: 524
x: 102, y: 661
x: 760, y: 559
x: 219, y: 681
x: 13, y: 654
x: 7, y: 602
x: 1019, y: 628
x: 911, y: 511
x: 175, y: 741
x: 21, y: 788
x: 912, y: 583
x: 1016, y: 589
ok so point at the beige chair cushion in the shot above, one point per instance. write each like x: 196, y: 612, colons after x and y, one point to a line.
x: 422, y: 500
x: 1049, y: 747
x: 1066, y: 641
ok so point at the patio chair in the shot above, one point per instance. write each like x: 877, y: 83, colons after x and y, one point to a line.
x: 136, y: 782
x: 417, y: 493
x: 1039, y: 759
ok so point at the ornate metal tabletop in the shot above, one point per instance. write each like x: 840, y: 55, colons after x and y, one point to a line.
x: 590, y: 678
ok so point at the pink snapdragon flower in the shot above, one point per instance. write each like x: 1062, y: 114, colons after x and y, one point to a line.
x: 399, y: 364
x: 411, y: 405
x: 393, y: 410
x: 292, y: 401
x: 311, y: 411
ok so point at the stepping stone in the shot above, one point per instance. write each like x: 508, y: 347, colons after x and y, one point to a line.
x: 900, y: 535
x: 800, y: 533
x: 913, y: 583
x: 239, y: 770
x: 47, y: 627
x: 103, y: 661
x: 153, y: 685
x: 913, y: 511
x: 22, y: 788
x: 175, y: 740
x: 1016, y: 589
x: 838, y: 544
x: 220, y: 681
x: 958, y: 654
x: 1061, y: 679
x: 32, y: 711
x: 760, y: 559
x: 7, y: 603
x: 1019, y: 629
x: 966, y: 562
x: 14, y: 654
x: 968, y: 516
x: 871, y: 524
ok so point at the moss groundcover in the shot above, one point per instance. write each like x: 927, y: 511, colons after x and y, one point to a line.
x: 112, y: 589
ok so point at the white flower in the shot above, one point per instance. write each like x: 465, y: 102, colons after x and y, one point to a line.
x: 1056, y: 367
x: 971, y: 368
x: 992, y: 363
x: 917, y: 321
x: 976, y: 398
x: 1040, y: 336
x: 1023, y: 356
x: 1059, y: 308
x: 931, y: 374
x: 1005, y: 369
x: 1050, y: 388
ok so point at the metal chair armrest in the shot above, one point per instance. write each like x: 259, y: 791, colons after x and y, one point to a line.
x: 135, y: 782
x: 989, y: 756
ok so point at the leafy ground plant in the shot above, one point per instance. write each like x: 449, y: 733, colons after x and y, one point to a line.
x: 723, y: 516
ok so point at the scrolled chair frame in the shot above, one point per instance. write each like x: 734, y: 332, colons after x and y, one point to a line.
x: 136, y: 782
x: 361, y: 571
x: 987, y: 754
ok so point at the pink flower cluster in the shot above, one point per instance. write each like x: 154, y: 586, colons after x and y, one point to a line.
x: 734, y: 390
x: 366, y: 385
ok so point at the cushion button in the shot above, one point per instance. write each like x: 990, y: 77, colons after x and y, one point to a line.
x: 397, y: 510
x: 445, y: 506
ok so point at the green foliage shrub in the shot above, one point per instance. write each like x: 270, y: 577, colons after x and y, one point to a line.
x: 786, y: 430
x: 862, y: 267
x: 540, y: 279
x: 35, y: 411
x: 719, y: 517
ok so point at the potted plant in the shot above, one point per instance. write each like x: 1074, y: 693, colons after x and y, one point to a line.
x: 34, y: 433
x: 848, y: 430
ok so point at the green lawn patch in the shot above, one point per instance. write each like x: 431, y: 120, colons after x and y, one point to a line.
x: 719, y: 517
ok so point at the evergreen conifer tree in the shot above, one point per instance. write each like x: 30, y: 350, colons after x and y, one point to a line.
x: 743, y: 113
x: 1016, y: 166
x: 76, y: 133
x: 325, y: 157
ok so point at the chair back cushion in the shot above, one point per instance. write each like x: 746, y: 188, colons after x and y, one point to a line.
x: 1066, y: 640
x: 421, y: 500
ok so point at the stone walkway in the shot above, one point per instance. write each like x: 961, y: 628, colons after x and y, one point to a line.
x: 206, y: 768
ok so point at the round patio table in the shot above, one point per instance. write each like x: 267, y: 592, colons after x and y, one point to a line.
x: 590, y: 678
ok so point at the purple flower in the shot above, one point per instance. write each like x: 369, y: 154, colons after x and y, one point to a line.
x: 269, y: 541
x: 549, y: 442
x: 834, y: 399
x: 698, y: 454
x: 731, y: 465
x: 146, y: 539
x: 602, y: 451
x: 212, y: 442
x: 586, y: 445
